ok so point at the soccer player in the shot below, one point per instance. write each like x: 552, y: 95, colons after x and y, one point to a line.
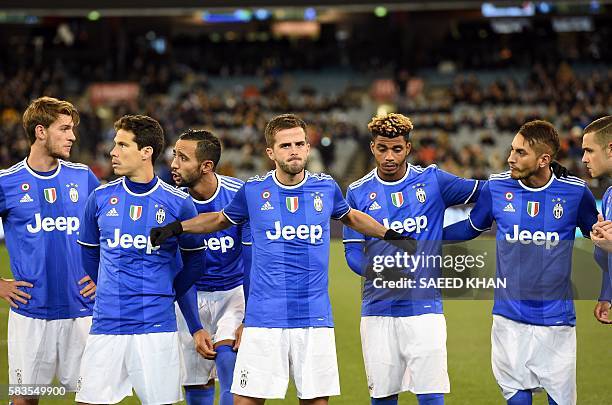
x: 220, y: 293
x: 411, y: 328
x: 51, y: 297
x: 533, y: 335
x: 133, y: 341
x: 597, y: 147
x: 288, y: 325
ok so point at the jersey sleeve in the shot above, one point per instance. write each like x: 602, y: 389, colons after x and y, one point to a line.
x: 587, y: 212
x: 3, y: 211
x: 350, y: 235
x: 89, y: 233
x: 237, y: 211
x: 481, y: 216
x: 92, y: 182
x: 604, y: 203
x: 457, y: 190
x: 245, y: 234
x: 189, y: 241
x: 341, y: 206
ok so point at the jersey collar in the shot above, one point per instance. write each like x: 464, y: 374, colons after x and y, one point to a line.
x: 214, y: 194
x: 281, y: 185
x: 544, y: 187
x: 393, y: 183
x: 125, y: 187
x: 33, y: 173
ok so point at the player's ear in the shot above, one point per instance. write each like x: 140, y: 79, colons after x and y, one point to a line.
x: 146, y: 152
x: 372, y: 147
x: 408, y: 147
x: 207, y: 166
x: 40, y: 132
x: 545, y: 160
x: 609, y: 150
x: 270, y: 153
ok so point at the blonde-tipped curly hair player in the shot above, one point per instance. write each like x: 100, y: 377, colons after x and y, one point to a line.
x: 41, y: 199
x: 597, y: 147
x: 403, y: 332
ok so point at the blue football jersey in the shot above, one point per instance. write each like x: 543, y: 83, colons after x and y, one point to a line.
x: 413, y: 206
x: 291, y: 232
x: 535, y: 235
x: 224, y: 264
x: 606, y: 208
x: 135, y: 279
x: 40, y: 214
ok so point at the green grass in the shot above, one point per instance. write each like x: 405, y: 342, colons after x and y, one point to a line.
x: 469, y: 324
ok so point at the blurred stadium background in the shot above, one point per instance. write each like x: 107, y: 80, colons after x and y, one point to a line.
x: 468, y: 73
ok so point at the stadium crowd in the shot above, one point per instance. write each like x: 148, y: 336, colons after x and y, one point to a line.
x: 462, y: 127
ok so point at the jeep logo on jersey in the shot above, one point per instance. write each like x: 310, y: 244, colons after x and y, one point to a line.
x: 303, y: 232
x: 223, y: 243
x: 415, y: 225
x: 127, y: 241
x: 538, y: 238
x: 50, y: 195
x: 48, y: 224
x: 135, y: 212
x: 292, y: 204
x: 397, y: 199
x: 533, y: 208
x: 160, y: 215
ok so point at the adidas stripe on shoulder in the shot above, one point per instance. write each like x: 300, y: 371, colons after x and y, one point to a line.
x: 362, y: 180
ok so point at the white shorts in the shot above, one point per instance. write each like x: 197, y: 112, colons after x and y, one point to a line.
x: 405, y: 354
x: 221, y: 313
x: 528, y: 357
x: 39, y: 349
x: 269, y: 356
x: 114, y: 364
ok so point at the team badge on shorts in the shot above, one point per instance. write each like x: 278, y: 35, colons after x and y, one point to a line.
x: 160, y: 216
x: 19, y: 376
x: 318, y: 202
x: 244, y: 378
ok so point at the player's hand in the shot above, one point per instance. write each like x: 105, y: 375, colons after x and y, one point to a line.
x: 10, y: 292
x: 602, y: 224
x: 602, y: 312
x: 239, y: 330
x: 559, y: 170
x: 204, y: 345
x: 90, y: 287
x: 161, y: 234
x: 406, y: 243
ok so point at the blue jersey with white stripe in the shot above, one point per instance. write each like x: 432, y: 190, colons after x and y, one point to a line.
x: 535, y: 236
x: 224, y: 264
x: 291, y: 233
x: 413, y: 206
x: 135, y: 279
x: 40, y: 215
